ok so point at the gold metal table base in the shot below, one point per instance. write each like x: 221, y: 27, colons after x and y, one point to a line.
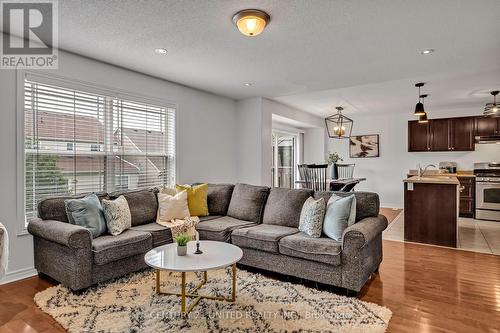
x: 193, y: 292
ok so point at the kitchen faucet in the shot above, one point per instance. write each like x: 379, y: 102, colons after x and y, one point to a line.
x: 421, y: 172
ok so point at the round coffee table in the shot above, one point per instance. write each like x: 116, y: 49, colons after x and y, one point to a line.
x: 216, y: 255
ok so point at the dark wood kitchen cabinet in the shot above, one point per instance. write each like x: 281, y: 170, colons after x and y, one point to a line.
x: 487, y: 126
x: 418, y: 136
x: 440, y: 134
x: 467, y: 196
x: 430, y: 213
x: 446, y: 134
x: 462, y: 134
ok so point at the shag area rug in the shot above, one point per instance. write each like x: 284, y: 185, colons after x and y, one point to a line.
x: 130, y: 304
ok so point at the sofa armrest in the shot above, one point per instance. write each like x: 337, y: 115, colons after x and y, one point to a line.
x: 361, y: 233
x: 63, y: 233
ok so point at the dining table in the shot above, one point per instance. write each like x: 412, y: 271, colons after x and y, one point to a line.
x: 345, y: 184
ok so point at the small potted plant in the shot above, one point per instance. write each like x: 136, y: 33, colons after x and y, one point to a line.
x: 182, y: 240
x: 332, y: 160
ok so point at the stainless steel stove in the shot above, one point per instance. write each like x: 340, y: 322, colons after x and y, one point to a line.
x: 487, y: 190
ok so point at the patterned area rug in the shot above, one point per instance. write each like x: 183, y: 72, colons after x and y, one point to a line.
x: 130, y: 304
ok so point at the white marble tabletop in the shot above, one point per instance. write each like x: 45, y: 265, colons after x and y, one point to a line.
x: 215, y: 255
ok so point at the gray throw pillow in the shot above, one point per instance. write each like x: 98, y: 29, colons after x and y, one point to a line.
x: 311, y: 217
x: 340, y: 212
x: 86, y: 212
x: 118, y: 216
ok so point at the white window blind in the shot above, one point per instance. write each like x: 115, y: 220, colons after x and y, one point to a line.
x: 80, y: 142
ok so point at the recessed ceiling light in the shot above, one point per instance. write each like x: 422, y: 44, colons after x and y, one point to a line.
x: 161, y: 51
x: 427, y: 51
x: 248, y: 84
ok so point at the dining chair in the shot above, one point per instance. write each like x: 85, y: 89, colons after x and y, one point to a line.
x: 345, y: 171
x: 316, y: 177
x: 302, y: 174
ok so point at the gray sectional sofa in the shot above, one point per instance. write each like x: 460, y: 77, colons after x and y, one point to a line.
x: 262, y: 221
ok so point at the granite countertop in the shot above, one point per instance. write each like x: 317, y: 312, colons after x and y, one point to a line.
x: 435, y: 179
x: 433, y: 173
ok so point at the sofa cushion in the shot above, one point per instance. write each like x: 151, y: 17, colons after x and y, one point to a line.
x: 247, y: 202
x: 53, y: 208
x: 161, y: 235
x: 218, y: 198
x: 208, y: 218
x: 300, y: 245
x: 143, y: 205
x: 264, y: 237
x: 220, y: 229
x: 367, y: 203
x: 284, y: 205
x: 109, y: 248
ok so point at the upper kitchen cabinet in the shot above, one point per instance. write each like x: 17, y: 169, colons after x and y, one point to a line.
x: 447, y: 134
x: 418, y: 136
x: 462, y: 134
x: 487, y: 126
x: 440, y: 138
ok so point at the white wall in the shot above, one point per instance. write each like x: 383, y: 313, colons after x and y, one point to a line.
x: 315, y: 145
x: 205, y: 140
x: 385, y: 173
x: 249, y: 138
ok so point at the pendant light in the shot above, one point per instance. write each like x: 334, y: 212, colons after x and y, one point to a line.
x: 419, y: 108
x: 422, y: 119
x: 491, y: 109
x: 338, y: 125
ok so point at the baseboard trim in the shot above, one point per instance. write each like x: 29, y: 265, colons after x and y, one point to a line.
x: 19, y: 274
x: 391, y: 205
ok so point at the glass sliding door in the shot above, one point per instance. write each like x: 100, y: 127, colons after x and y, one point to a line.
x: 284, y: 159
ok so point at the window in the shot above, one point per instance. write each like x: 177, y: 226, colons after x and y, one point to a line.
x: 80, y: 142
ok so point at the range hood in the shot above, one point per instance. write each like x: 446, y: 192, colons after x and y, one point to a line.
x: 488, y: 139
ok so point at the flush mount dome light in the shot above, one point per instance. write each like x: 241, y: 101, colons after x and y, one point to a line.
x: 251, y: 22
x: 427, y: 51
x: 338, y: 125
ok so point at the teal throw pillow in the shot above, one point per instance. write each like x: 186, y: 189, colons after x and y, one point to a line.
x: 340, y: 212
x: 87, y: 212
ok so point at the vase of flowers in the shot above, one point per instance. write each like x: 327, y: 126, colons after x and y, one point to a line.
x: 182, y: 240
x: 332, y: 160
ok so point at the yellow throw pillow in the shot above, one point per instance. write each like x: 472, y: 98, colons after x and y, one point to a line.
x: 197, y: 198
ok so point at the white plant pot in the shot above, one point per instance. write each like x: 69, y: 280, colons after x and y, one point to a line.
x: 181, y: 250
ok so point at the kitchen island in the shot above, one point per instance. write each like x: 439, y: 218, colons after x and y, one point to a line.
x: 431, y: 209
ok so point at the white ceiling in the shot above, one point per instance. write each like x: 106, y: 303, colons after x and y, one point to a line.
x: 307, y: 56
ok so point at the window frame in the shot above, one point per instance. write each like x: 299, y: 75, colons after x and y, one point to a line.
x: 90, y: 87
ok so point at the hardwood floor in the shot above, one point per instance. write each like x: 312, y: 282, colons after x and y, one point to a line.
x: 428, y: 289
x: 390, y: 213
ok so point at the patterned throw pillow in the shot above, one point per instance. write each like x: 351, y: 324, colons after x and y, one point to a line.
x: 117, y: 213
x: 311, y: 217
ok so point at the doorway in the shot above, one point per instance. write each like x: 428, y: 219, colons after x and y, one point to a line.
x: 285, y: 156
